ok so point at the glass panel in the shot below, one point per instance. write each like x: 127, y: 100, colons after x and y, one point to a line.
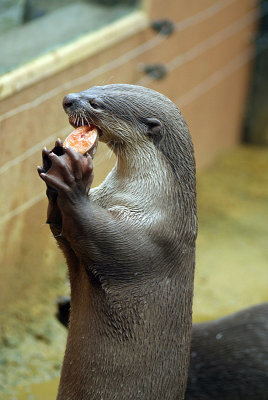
x: 30, y: 28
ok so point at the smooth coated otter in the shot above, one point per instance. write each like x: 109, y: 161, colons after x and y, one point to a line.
x: 129, y: 246
x: 229, y: 356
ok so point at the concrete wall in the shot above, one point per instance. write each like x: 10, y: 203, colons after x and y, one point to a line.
x: 209, y: 82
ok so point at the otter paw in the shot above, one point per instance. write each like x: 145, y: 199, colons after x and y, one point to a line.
x: 57, y: 149
x: 70, y: 174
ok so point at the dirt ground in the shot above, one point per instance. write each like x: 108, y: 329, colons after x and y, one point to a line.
x: 231, y: 273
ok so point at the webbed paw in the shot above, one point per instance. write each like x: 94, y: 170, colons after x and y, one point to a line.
x: 69, y: 174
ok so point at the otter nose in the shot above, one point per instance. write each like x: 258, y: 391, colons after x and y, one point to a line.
x: 71, y: 102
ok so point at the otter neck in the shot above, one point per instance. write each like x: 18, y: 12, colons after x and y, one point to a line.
x: 143, y: 160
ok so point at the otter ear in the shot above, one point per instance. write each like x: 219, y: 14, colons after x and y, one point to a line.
x: 154, y: 128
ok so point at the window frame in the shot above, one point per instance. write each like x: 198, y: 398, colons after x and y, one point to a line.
x: 72, y: 53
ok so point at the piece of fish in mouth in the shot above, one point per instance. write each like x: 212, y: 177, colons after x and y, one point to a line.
x: 83, y: 139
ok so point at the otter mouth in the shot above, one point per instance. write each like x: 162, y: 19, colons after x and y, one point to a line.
x: 78, y: 121
x: 84, y: 139
x: 84, y: 124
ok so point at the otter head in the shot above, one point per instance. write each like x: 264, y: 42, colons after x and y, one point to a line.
x: 120, y: 113
x: 138, y: 121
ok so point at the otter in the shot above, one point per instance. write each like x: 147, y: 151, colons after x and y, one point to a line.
x: 129, y: 246
x: 229, y: 355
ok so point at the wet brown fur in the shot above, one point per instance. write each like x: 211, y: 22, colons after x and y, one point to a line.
x: 229, y: 356
x: 130, y: 248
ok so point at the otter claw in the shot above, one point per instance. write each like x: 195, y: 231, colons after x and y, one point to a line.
x: 40, y: 169
x: 45, y: 153
x: 59, y: 143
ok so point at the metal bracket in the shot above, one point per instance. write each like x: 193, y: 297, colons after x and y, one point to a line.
x: 163, y: 26
x: 156, y: 71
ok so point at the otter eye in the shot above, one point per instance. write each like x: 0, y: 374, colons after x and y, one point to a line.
x: 94, y: 104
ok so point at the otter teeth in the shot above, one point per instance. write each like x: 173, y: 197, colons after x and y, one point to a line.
x: 77, y: 122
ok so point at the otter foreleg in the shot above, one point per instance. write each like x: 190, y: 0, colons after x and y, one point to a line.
x: 54, y: 217
x: 95, y: 236
x: 53, y: 211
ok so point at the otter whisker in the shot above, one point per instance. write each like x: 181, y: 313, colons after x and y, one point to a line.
x: 103, y: 156
x: 110, y: 153
x: 89, y: 123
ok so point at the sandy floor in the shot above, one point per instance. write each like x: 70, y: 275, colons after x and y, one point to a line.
x: 231, y: 271
x: 232, y: 252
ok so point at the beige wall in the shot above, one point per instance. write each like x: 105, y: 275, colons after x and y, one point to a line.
x: 212, y: 103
